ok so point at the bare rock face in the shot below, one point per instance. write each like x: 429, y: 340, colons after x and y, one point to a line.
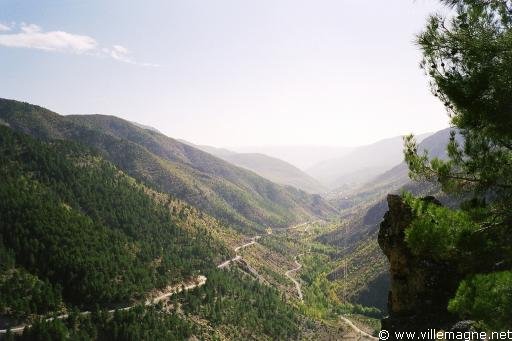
x: 420, y: 287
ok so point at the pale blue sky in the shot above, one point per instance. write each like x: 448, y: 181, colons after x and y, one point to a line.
x: 226, y: 72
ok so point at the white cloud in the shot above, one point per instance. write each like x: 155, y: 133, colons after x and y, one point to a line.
x: 33, y: 37
x: 120, y: 53
x: 4, y: 28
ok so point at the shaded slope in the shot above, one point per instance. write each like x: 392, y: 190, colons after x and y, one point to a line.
x: 363, y: 209
x: 234, y: 195
x: 90, y: 232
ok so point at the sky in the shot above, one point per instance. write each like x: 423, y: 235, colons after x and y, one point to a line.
x: 227, y: 73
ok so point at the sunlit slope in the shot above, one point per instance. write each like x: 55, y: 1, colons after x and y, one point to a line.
x: 87, y: 232
x: 231, y: 194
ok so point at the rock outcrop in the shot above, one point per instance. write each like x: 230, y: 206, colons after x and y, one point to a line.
x: 420, y: 287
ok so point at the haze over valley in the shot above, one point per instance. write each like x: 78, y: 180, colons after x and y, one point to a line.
x: 234, y: 196
x: 255, y: 170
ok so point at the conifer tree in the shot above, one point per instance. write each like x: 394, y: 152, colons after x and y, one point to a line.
x: 467, y: 56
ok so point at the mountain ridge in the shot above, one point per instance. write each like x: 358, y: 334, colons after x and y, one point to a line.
x: 231, y: 194
x: 271, y: 168
x: 361, y: 164
x: 277, y: 171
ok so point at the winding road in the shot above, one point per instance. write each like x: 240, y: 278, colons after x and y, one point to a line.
x: 193, y: 283
x: 253, y: 241
x: 199, y: 281
x: 357, y: 330
x: 229, y: 261
x: 169, y: 291
x: 297, y: 284
x: 236, y: 249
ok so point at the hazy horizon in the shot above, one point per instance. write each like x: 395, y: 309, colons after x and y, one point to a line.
x: 230, y: 74
x: 242, y: 148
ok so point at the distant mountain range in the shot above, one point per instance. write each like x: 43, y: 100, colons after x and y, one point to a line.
x: 234, y: 195
x: 318, y: 169
x: 397, y: 176
x: 271, y: 168
x: 361, y: 164
x: 302, y: 157
x: 277, y: 171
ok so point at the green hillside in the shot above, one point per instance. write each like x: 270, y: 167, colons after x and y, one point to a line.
x: 75, y: 229
x: 231, y: 194
x: 77, y: 234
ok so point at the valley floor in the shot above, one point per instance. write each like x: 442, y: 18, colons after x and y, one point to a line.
x: 293, y: 261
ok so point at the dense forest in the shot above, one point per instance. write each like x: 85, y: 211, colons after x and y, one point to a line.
x: 75, y: 229
x: 229, y: 299
x: 78, y: 234
x: 140, y: 323
x: 229, y: 305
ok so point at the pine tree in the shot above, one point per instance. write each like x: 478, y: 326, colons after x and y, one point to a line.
x: 468, y: 58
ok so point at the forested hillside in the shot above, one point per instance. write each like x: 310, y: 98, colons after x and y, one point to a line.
x: 77, y: 233
x: 234, y: 195
x: 231, y: 306
x: 76, y: 230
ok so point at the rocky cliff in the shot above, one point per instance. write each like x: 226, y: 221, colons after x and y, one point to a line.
x: 420, y: 287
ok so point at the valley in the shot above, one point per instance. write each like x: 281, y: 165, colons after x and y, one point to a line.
x: 283, y: 270
x: 279, y: 237
x: 106, y: 223
x: 292, y: 260
x: 255, y: 170
x: 251, y: 250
